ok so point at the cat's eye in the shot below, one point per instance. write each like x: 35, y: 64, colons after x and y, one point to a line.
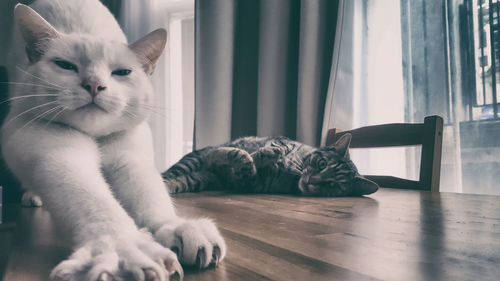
x: 66, y: 65
x: 121, y: 72
x: 322, y: 164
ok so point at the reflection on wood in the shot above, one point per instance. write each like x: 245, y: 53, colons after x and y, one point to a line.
x: 392, y: 235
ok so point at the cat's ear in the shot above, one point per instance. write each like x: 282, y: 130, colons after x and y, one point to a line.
x: 35, y: 30
x: 342, y: 144
x: 149, y: 48
x: 363, y: 186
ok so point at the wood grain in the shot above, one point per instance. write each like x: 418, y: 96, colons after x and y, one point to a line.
x: 391, y: 235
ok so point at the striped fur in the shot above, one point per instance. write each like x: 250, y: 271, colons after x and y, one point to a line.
x: 270, y: 165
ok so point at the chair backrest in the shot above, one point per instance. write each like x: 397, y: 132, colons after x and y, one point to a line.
x: 428, y: 134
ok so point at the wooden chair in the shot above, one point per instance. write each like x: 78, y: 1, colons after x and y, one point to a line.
x: 428, y: 134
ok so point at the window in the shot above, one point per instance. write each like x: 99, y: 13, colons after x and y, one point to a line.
x: 410, y: 59
x: 483, y: 45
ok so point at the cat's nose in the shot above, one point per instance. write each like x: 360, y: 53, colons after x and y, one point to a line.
x: 93, y: 87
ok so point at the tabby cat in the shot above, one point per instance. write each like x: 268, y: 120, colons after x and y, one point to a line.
x: 270, y: 165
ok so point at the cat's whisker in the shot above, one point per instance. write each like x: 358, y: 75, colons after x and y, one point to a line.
x: 156, y: 109
x: 153, y: 106
x: 43, y: 80
x: 32, y: 84
x: 161, y: 114
x: 55, y: 116
x: 130, y: 114
x: 39, y: 116
x: 27, y: 96
x: 47, y: 91
x: 28, y: 110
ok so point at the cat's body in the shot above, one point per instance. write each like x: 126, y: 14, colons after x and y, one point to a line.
x: 270, y: 165
x: 77, y: 136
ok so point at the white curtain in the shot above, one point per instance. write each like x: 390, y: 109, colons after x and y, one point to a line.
x: 367, y: 89
x: 171, y: 120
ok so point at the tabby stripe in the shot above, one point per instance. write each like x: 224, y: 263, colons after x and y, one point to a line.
x: 192, y: 183
x: 175, y: 171
x: 232, y: 155
x: 183, y: 167
x: 189, y: 165
x: 343, y: 172
x: 197, y: 183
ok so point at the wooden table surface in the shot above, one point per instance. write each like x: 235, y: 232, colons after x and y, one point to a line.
x: 391, y: 235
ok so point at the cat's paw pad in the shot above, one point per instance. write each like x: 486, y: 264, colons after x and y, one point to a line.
x: 30, y: 199
x: 197, y: 242
x: 135, y: 257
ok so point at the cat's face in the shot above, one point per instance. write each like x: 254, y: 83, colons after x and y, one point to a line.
x: 98, y: 86
x: 99, y: 83
x: 329, y: 171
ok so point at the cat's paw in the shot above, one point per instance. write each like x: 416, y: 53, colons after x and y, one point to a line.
x: 30, y: 199
x: 197, y: 242
x: 265, y: 156
x: 243, y: 166
x: 238, y: 161
x: 131, y: 257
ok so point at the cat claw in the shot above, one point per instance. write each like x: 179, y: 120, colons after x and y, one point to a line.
x: 174, y: 270
x: 104, y: 276
x: 201, y: 258
x: 215, y: 256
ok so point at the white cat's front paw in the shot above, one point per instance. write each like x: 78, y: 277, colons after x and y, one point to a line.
x: 133, y: 257
x: 197, y: 242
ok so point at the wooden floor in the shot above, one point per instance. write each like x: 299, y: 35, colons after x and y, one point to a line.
x: 391, y: 235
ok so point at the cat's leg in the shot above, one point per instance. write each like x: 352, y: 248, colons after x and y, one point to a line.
x: 139, y: 186
x: 233, y: 164
x: 278, y: 170
x: 266, y: 156
x: 63, y: 167
x: 190, y: 174
x: 192, y: 182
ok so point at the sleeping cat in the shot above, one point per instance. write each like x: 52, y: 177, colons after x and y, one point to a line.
x: 77, y: 136
x: 270, y: 165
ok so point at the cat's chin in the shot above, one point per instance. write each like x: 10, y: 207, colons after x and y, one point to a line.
x: 96, y: 121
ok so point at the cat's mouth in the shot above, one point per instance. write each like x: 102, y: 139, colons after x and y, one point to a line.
x: 91, y: 106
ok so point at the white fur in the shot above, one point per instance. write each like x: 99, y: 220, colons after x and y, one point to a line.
x: 93, y: 167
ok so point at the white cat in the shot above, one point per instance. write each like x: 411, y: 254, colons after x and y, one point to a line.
x: 76, y: 135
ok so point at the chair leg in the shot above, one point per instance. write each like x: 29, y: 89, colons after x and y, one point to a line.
x: 430, y: 162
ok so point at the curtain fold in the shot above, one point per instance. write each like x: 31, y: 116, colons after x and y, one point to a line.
x: 318, y: 27
x: 213, y: 55
x: 262, y: 68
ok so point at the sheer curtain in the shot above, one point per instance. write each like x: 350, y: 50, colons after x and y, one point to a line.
x: 402, y: 60
x: 173, y: 80
x: 366, y: 85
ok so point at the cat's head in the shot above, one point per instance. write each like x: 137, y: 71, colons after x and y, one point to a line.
x: 329, y: 171
x: 97, y: 85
